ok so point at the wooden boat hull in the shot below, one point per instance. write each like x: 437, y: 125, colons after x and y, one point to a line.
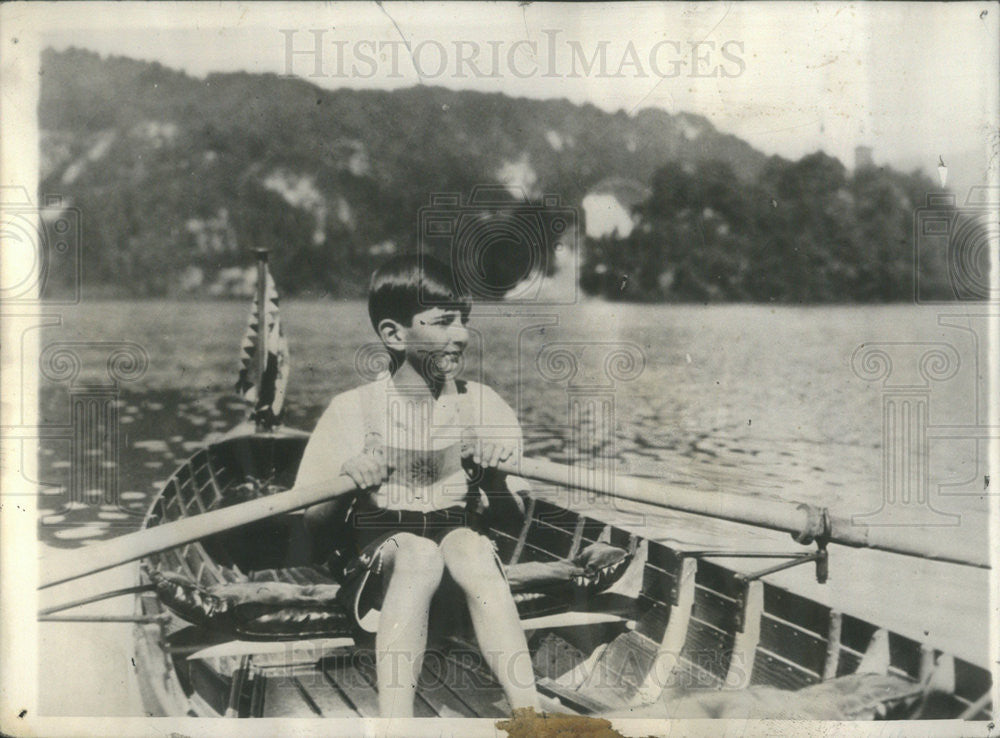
x: 674, y: 624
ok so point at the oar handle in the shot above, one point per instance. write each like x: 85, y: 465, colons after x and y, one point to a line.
x: 801, y: 521
x: 68, y: 565
x: 762, y: 513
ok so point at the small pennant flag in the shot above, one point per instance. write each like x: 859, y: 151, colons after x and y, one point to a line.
x: 267, y: 392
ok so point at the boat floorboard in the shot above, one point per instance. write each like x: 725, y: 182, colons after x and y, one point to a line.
x: 463, y: 673
x: 328, y: 698
x: 287, y: 696
x: 452, y: 684
x: 440, y: 688
x: 364, y: 667
x: 348, y: 682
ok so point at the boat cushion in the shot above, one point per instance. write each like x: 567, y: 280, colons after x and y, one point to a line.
x: 302, y: 575
x: 536, y: 604
x: 603, y: 565
x: 594, y: 569
x: 256, y: 609
x: 548, y: 587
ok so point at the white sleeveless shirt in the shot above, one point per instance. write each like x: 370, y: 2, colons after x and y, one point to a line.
x: 422, y: 438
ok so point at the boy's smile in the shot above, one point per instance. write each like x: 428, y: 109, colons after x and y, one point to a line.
x: 435, y: 341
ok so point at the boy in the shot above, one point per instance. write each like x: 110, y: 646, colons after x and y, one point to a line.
x: 404, y: 440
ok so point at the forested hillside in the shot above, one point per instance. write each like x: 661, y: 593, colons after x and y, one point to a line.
x: 177, y: 177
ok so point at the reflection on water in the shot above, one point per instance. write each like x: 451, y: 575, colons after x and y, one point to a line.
x: 758, y: 401
x: 159, y: 430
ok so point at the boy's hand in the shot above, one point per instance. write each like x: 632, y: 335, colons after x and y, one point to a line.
x: 368, y: 469
x: 487, y: 453
x: 481, y: 458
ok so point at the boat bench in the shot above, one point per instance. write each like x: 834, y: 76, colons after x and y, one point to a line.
x: 707, y: 642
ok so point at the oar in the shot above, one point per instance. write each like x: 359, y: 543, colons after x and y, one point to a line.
x: 802, y: 521
x: 68, y: 565
x: 799, y: 520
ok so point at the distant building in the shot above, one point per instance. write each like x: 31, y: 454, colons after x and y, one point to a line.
x: 863, y: 157
x: 608, y: 207
x: 605, y: 215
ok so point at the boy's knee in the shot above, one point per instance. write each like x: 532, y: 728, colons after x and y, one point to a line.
x: 418, y: 557
x: 467, y: 548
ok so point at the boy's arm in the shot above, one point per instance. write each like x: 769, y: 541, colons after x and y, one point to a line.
x: 338, y: 436
x: 499, y: 438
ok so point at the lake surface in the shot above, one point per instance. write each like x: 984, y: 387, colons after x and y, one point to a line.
x: 762, y: 401
x: 756, y: 400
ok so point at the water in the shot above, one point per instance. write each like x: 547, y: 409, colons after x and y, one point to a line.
x: 756, y: 400
x: 759, y: 401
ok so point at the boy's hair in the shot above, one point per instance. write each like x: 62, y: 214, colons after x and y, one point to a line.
x: 409, y: 284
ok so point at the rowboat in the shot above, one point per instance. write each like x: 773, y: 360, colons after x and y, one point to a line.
x: 661, y: 628
x: 235, y: 617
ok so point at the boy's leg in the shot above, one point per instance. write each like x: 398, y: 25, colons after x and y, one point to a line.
x: 471, y: 562
x: 411, y: 571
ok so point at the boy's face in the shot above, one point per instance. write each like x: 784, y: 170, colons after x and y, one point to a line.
x: 434, y: 342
